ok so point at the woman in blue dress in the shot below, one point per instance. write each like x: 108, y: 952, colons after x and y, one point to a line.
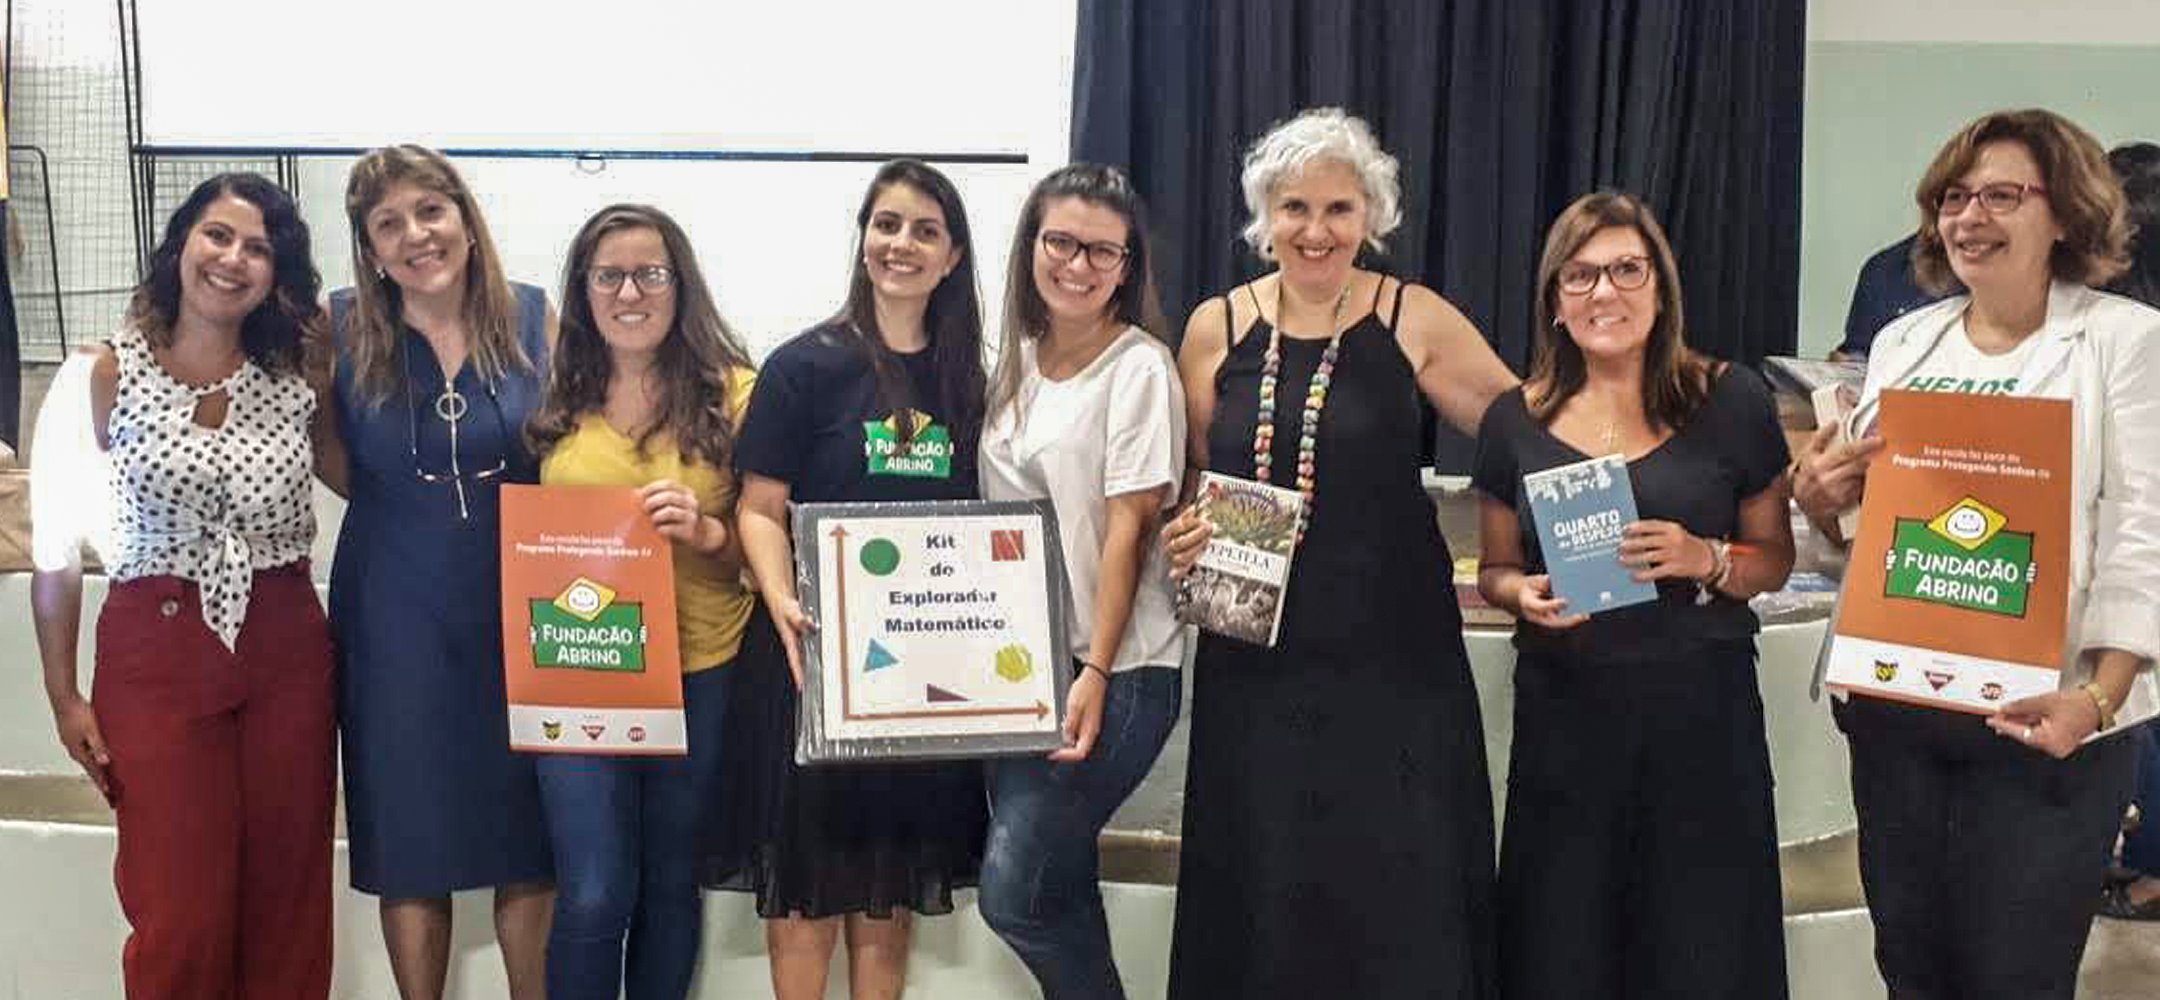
x: 439, y: 361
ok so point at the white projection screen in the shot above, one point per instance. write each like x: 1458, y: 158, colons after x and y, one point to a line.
x: 790, y: 84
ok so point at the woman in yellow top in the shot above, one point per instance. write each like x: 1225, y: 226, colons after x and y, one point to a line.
x: 648, y: 389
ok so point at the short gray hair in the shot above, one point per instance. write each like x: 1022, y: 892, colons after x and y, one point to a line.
x: 1321, y: 135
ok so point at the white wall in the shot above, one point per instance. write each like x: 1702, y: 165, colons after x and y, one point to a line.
x: 1888, y: 83
x: 2021, y: 22
x: 808, y: 75
x: 738, y: 74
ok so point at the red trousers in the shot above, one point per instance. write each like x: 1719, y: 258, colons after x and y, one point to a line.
x: 222, y: 763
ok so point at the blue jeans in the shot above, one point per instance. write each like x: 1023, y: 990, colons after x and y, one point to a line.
x: 2141, y: 850
x: 627, y: 909
x: 1040, y: 888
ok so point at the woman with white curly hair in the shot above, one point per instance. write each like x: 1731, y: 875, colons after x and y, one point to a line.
x: 1338, y: 836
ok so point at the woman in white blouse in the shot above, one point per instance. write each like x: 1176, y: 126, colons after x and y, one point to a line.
x: 1982, y: 839
x: 1086, y: 411
x: 209, y: 725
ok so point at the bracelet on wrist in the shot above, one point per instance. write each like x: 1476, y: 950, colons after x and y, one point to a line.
x: 1087, y: 664
x: 1707, y: 586
x: 2102, y: 702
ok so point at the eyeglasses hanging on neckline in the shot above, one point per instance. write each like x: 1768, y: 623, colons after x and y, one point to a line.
x: 451, y: 406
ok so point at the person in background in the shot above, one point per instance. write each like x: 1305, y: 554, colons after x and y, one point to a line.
x: 1085, y: 411
x: 1639, y: 761
x: 1884, y: 292
x: 647, y: 390
x: 884, y: 402
x: 440, y: 360
x: 209, y: 722
x: 1338, y: 813
x: 1982, y: 839
x: 2137, y: 165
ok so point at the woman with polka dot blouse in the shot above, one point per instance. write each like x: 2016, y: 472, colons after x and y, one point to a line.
x: 209, y: 723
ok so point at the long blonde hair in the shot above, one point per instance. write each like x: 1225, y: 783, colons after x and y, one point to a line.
x: 372, y: 330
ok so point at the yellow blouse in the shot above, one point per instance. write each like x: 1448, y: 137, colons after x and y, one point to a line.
x: 711, y: 607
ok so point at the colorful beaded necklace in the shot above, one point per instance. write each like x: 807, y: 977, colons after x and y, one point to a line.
x: 1315, y: 399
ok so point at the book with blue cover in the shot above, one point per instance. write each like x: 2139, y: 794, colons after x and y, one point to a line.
x: 1580, y: 510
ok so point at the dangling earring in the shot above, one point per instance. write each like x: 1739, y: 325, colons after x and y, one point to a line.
x: 379, y: 273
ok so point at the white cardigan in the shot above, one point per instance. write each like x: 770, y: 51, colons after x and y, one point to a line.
x: 2099, y: 351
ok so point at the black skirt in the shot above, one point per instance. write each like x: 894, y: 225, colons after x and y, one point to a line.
x: 832, y: 839
x: 1639, y: 855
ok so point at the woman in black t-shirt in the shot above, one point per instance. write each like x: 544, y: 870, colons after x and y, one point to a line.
x: 1639, y: 855
x: 883, y: 402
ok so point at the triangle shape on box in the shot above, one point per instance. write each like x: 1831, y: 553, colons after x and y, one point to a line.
x: 935, y: 694
x: 878, y: 658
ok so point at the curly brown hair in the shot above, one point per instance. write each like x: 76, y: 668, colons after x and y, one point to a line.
x: 2081, y: 189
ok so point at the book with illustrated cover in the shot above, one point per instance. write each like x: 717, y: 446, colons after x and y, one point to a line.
x: 1580, y: 510
x: 1236, y: 589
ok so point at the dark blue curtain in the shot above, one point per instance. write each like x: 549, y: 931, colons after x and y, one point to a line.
x: 1501, y: 111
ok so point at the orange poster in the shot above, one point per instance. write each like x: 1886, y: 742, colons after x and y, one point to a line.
x: 590, y: 651
x: 1957, y: 592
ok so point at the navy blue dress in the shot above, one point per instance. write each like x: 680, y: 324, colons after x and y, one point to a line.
x: 435, y: 801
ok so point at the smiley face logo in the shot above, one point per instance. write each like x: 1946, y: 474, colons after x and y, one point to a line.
x: 1968, y: 523
x: 582, y: 599
x: 1965, y: 524
x: 585, y: 598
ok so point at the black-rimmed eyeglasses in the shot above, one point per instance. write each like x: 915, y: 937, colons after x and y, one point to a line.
x: 1101, y: 255
x: 1627, y: 274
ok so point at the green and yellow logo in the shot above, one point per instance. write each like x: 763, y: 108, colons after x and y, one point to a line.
x: 586, y: 628
x: 1964, y: 558
x: 927, y: 455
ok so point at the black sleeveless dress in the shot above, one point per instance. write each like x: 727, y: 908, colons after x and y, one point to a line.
x: 1338, y: 832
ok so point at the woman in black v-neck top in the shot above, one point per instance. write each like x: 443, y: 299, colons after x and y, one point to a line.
x: 1639, y: 851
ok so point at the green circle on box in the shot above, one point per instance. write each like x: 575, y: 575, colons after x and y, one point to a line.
x: 880, y: 556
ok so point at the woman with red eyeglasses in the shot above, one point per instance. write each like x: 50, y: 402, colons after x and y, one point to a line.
x: 1982, y: 839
